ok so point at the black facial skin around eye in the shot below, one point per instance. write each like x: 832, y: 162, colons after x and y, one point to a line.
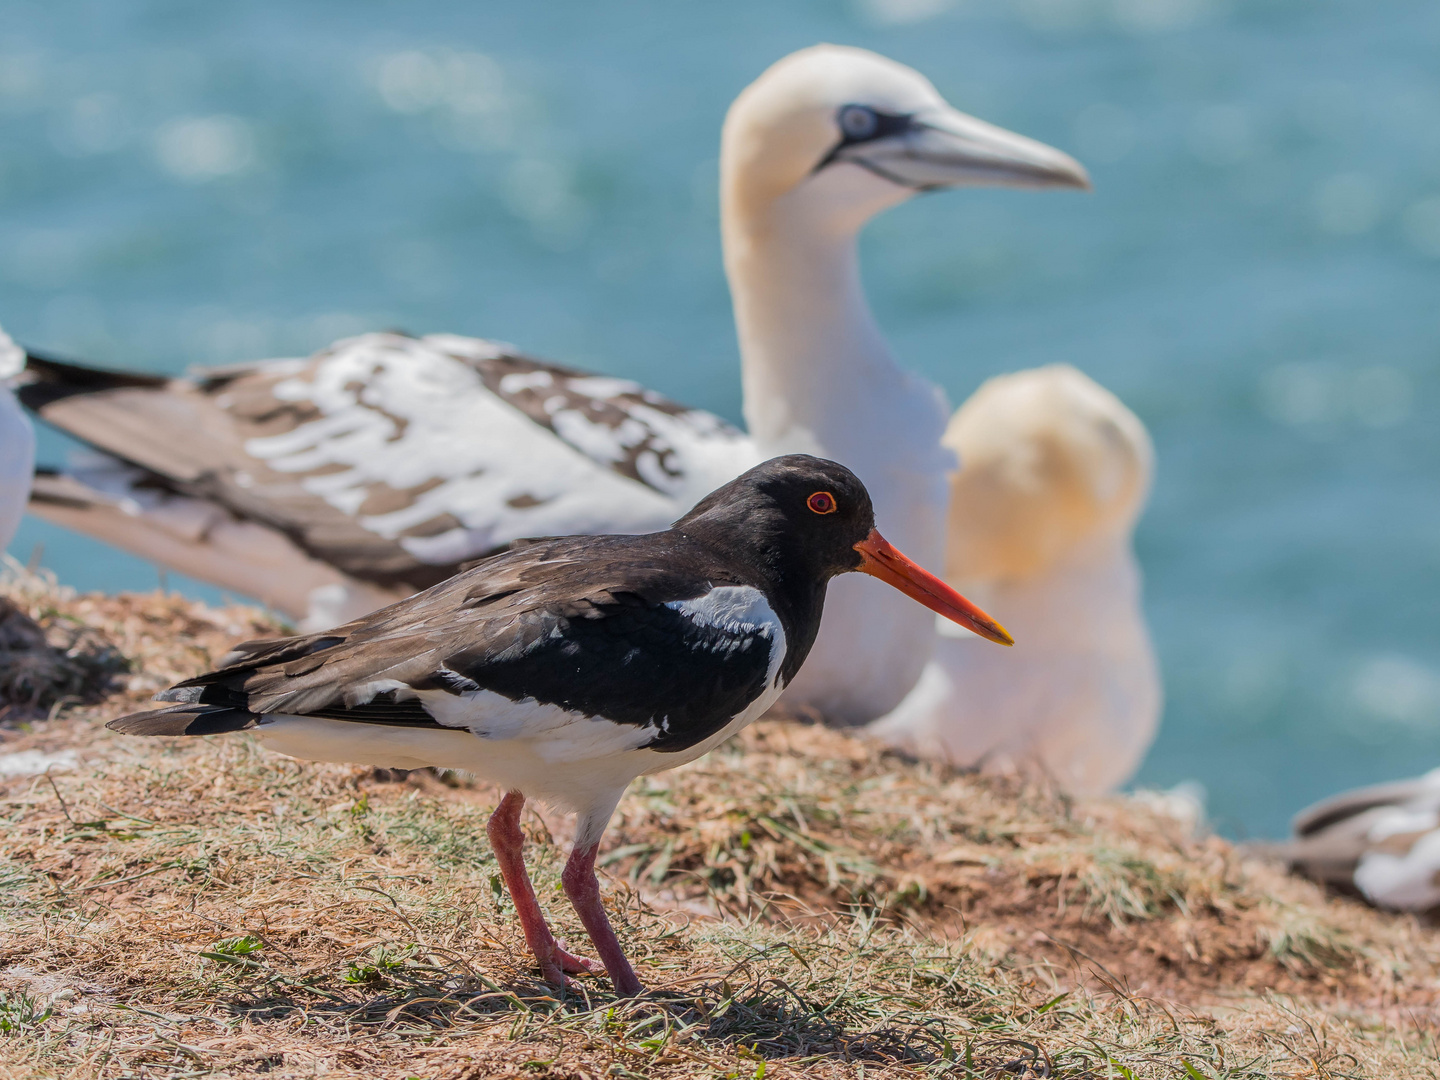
x: 860, y: 124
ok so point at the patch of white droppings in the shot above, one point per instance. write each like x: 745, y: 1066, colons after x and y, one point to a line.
x: 35, y: 762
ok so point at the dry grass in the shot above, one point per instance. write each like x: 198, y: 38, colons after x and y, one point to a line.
x: 788, y: 818
x: 800, y: 904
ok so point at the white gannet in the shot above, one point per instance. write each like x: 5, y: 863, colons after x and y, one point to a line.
x: 17, y: 444
x: 1054, y: 473
x: 1382, y: 841
x: 379, y: 465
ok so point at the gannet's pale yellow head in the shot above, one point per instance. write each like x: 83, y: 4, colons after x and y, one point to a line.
x: 878, y: 131
x: 1050, y: 460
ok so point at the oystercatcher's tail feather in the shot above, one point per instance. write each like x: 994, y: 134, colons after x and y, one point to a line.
x: 185, y: 719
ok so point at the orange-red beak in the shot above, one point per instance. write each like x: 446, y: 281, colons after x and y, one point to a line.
x: 882, y: 560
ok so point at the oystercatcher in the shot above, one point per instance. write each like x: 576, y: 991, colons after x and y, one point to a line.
x: 1054, y: 473
x: 330, y: 486
x: 564, y: 669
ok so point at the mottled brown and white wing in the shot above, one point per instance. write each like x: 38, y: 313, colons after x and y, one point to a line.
x: 397, y: 459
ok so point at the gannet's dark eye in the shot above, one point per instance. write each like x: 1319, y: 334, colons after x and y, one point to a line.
x: 858, y: 122
x: 822, y: 502
x: 861, y: 125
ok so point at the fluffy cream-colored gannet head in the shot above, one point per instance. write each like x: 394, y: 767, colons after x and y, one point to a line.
x: 1050, y: 461
x: 831, y: 117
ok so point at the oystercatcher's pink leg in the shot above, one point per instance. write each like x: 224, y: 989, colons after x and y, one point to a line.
x: 508, y: 841
x: 583, y: 888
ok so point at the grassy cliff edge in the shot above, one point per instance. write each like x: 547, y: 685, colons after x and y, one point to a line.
x: 800, y: 903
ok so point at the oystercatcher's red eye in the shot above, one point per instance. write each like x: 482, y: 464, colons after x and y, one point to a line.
x: 822, y: 502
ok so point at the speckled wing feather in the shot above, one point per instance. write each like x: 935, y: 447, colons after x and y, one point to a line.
x: 587, y: 624
x: 397, y: 459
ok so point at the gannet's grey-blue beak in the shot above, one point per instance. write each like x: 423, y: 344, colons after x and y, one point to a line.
x: 941, y: 147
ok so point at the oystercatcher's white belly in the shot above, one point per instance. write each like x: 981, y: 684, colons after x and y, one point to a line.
x: 569, y: 767
x: 573, y: 763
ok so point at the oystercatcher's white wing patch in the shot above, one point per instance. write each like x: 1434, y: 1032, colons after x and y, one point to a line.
x: 407, y: 437
x: 555, y: 734
x: 739, y: 609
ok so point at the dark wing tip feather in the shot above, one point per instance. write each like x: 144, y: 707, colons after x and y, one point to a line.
x: 184, y: 720
x: 46, y: 381
x: 53, y: 487
x: 1323, y: 815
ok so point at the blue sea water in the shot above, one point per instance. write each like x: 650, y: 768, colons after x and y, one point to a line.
x: 1256, y: 272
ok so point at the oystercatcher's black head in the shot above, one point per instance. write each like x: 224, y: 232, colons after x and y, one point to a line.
x: 793, y: 511
x: 801, y: 520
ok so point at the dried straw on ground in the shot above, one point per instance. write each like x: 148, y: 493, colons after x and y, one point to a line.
x: 802, y: 905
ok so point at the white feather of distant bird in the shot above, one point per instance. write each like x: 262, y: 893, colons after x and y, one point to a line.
x: 17, y: 444
x: 387, y: 460
x: 1055, y: 470
x: 1382, y: 840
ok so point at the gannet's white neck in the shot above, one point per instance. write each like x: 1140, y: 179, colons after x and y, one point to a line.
x: 818, y: 377
x: 810, y: 347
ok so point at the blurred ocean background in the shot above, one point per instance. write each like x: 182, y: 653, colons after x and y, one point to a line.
x: 1257, y: 273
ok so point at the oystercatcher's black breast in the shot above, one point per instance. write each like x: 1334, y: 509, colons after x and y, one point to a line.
x: 685, y: 667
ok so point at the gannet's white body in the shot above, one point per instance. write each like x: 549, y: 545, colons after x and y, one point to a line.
x: 17, y: 444
x: 818, y: 376
x: 1054, y: 474
x: 436, y: 450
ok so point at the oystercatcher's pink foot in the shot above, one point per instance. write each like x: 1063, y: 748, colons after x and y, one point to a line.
x: 572, y: 964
